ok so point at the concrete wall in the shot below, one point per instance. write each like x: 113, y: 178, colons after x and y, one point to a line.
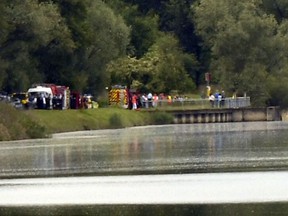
x: 255, y: 115
x: 227, y: 115
x: 284, y: 115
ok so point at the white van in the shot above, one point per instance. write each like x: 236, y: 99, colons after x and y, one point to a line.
x: 40, y: 92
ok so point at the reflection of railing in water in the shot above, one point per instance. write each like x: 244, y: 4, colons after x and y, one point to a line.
x: 238, y: 102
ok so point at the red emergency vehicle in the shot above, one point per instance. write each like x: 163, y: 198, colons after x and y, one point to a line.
x: 119, y: 96
x: 49, y: 96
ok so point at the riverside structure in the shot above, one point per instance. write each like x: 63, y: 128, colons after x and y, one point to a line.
x: 226, y: 115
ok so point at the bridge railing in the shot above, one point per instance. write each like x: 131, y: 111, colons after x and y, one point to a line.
x: 238, y: 102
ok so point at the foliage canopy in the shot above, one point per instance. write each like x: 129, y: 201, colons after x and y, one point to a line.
x: 158, y: 46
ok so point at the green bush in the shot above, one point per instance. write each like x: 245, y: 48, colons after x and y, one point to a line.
x: 115, y: 121
x: 103, y: 103
x: 34, y: 130
x: 15, y: 124
x: 4, y: 133
x: 159, y: 118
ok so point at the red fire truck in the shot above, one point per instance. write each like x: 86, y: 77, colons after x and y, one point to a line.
x: 119, y: 96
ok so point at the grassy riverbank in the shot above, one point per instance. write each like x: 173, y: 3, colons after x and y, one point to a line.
x: 26, y: 124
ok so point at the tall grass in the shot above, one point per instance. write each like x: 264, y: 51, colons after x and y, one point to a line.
x: 15, y: 124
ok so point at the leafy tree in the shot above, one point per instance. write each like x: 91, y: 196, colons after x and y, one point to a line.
x: 99, y: 36
x: 4, y: 25
x: 75, y: 14
x: 144, y: 26
x: 162, y: 69
x: 61, y: 63
x: 247, y: 45
x: 145, y: 32
x: 169, y: 72
x: 4, y: 31
x: 148, y: 5
x: 31, y: 25
x: 175, y: 17
x: 109, y: 41
x: 172, y: 16
x: 279, y: 8
x: 125, y: 71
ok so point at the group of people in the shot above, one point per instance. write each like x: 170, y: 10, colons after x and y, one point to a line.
x: 45, y: 101
x: 153, y: 100
x: 217, y: 99
x: 145, y: 100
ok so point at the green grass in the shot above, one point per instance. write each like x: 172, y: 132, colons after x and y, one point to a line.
x: 14, y: 124
x: 56, y: 121
x: 25, y: 124
x: 91, y: 119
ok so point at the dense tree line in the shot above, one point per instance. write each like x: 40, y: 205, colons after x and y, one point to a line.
x: 156, y: 45
x: 67, y: 42
x: 248, y: 46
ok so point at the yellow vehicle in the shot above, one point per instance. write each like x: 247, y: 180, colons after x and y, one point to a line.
x: 119, y: 96
x: 19, y: 99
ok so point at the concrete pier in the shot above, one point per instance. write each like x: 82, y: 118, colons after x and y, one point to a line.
x: 226, y: 115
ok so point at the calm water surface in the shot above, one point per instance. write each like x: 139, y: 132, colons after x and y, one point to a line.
x: 171, y: 149
x: 151, y: 150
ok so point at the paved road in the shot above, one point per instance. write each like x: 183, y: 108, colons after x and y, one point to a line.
x: 214, y: 188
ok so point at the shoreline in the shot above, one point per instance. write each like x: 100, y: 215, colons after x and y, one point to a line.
x: 33, y: 124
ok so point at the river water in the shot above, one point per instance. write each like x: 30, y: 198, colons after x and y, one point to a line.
x: 180, y: 153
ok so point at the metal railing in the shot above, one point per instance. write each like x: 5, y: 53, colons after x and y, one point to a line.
x: 238, y: 102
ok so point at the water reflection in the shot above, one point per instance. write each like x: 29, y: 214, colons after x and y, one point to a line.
x: 159, y: 149
x: 155, y: 149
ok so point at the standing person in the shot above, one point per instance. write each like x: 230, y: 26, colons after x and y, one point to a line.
x: 223, y: 98
x: 49, y: 101
x: 150, y: 98
x: 208, y: 91
x: 155, y: 100
x: 44, y: 101
x: 219, y: 100
x: 134, y: 102
x: 169, y: 99
x: 144, y: 101
x: 212, y: 99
